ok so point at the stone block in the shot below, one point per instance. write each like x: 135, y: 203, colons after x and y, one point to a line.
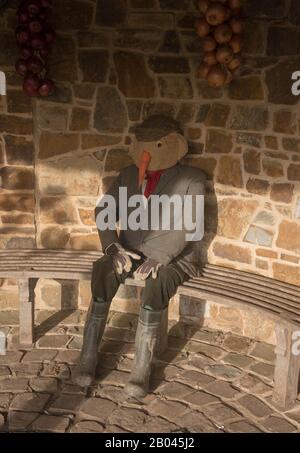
x: 257, y: 186
x: 70, y: 176
x: 259, y: 236
x: 252, y: 161
x: 230, y: 172
x: 218, y: 141
x: 110, y: 113
x: 246, y: 88
x: 175, y: 87
x: 72, y: 15
x: 134, y: 81
x: 169, y: 65
x: 93, y: 64
x: 55, y: 144
x: 289, y: 236
x: 248, y: 118
x: 234, y: 215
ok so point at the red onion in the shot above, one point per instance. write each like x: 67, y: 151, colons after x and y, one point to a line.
x: 35, y: 65
x: 46, y: 3
x: 46, y: 88
x: 34, y: 36
x: 44, y: 52
x: 26, y: 52
x: 33, y: 7
x: 22, y: 34
x: 31, y: 85
x: 23, y: 17
x: 35, y: 26
x: 38, y: 41
x: 43, y: 15
x: 21, y: 67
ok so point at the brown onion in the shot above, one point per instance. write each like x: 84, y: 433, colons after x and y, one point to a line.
x: 208, y: 44
x: 216, y: 14
x: 210, y: 58
x: 235, y: 63
x: 236, y: 43
x: 236, y: 25
x: 203, y: 70
x: 223, y: 34
x: 235, y: 4
x: 229, y: 78
x: 216, y: 77
x: 224, y: 54
x: 202, y: 28
x: 228, y: 14
x: 203, y: 6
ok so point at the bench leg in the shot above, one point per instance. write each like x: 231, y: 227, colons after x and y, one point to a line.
x: 163, y: 337
x: 286, y: 370
x: 26, y: 310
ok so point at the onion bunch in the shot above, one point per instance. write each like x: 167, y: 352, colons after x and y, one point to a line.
x: 220, y: 27
x: 34, y: 36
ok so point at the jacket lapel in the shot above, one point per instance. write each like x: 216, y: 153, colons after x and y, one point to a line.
x: 167, y: 176
x: 165, y: 179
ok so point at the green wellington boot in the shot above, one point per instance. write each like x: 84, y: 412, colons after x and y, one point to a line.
x: 150, y: 340
x: 85, y: 372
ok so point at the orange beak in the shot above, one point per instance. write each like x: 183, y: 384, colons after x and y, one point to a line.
x: 143, y: 166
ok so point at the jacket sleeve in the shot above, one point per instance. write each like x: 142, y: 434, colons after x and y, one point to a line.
x: 189, y: 259
x: 109, y: 235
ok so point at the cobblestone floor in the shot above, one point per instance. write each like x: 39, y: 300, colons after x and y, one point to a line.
x: 207, y: 381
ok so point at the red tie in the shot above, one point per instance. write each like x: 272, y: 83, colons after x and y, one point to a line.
x: 152, y: 178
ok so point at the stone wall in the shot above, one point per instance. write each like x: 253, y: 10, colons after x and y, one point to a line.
x: 116, y: 62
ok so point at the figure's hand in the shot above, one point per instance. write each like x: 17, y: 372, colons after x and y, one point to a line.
x: 121, y: 257
x: 149, y: 267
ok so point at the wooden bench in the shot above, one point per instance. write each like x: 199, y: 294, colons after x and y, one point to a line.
x: 273, y: 299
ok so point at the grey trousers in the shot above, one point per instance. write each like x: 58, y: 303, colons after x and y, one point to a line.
x: 155, y: 295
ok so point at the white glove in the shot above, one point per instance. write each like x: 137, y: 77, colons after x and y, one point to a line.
x: 149, y: 267
x: 121, y: 257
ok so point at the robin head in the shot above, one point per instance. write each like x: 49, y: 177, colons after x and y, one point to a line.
x: 158, y: 145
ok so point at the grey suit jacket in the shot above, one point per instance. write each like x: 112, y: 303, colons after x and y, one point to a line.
x: 164, y: 246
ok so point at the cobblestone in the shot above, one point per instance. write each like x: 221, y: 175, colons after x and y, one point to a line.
x: 66, y: 404
x: 50, y: 424
x: 220, y: 383
x: 263, y: 351
x: 264, y: 369
x: 278, y: 425
x: 97, y: 408
x: 30, y: 402
x: 241, y: 361
x: 87, y: 427
x: 255, y: 406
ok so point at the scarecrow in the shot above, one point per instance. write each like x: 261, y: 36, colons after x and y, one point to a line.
x: 164, y: 259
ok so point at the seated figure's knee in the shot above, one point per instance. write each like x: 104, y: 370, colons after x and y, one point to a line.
x: 103, y: 266
x: 155, y: 294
